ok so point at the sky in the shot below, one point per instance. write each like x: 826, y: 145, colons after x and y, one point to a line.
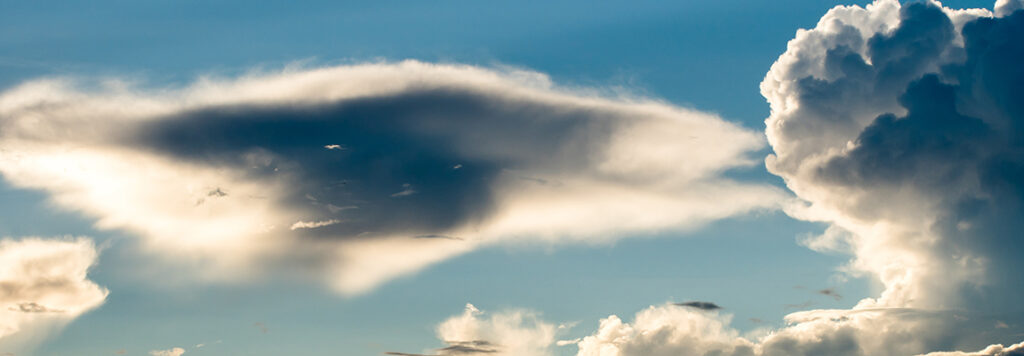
x: 511, y: 178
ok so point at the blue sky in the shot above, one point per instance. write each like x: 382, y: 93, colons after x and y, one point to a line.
x: 705, y: 56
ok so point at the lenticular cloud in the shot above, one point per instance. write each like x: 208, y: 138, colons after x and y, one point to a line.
x: 363, y: 173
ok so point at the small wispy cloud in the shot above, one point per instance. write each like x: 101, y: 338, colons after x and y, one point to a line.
x: 438, y: 236
x: 406, y: 190
x: 313, y: 224
x: 830, y: 292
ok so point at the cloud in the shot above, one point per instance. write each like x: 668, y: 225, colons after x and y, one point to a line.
x: 177, y: 351
x: 666, y: 330
x: 516, y: 332
x: 1006, y: 7
x: 700, y: 305
x: 43, y: 286
x: 313, y: 224
x: 390, y: 151
x: 992, y: 350
x: 830, y: 292
x: 671, y: 330
x: 896, y: 124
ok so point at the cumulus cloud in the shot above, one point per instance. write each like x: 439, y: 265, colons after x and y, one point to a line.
x: 899, y: 125
x: 176, y: 351
x: 992, y: 350
x: 338, y: 170
x: 663, y: 331
x: 43, y: 286
x: 508, y: 333
x: 830, y: 292
x: 672, y: 330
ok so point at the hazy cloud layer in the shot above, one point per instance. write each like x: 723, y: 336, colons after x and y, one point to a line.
x: 338, y: 171
x: 43, y: 285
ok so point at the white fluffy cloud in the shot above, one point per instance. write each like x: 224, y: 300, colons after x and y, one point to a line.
x: 176, y: 351
x: 992, y: 350
x: 666, y: 330
x: 507, y: 333
x: 673, y: 330
x: 363, y: 173
x: 43, y: 285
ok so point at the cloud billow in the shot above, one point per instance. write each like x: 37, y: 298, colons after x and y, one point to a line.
x: 341, y: 172
x: 933, y: 174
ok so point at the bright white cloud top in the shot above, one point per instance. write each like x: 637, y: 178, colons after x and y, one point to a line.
x: 348, y: 171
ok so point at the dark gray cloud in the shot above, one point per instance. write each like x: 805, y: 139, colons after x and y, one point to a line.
x: 700, y: 305
x: 394, y: 146
x: 830, y: 292
x: 457, y: 348
x: 473, y: 347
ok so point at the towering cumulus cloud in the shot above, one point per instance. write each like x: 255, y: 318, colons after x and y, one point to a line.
x: 363, y: 173
x: 903, y: 128
x: 43, y: 285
